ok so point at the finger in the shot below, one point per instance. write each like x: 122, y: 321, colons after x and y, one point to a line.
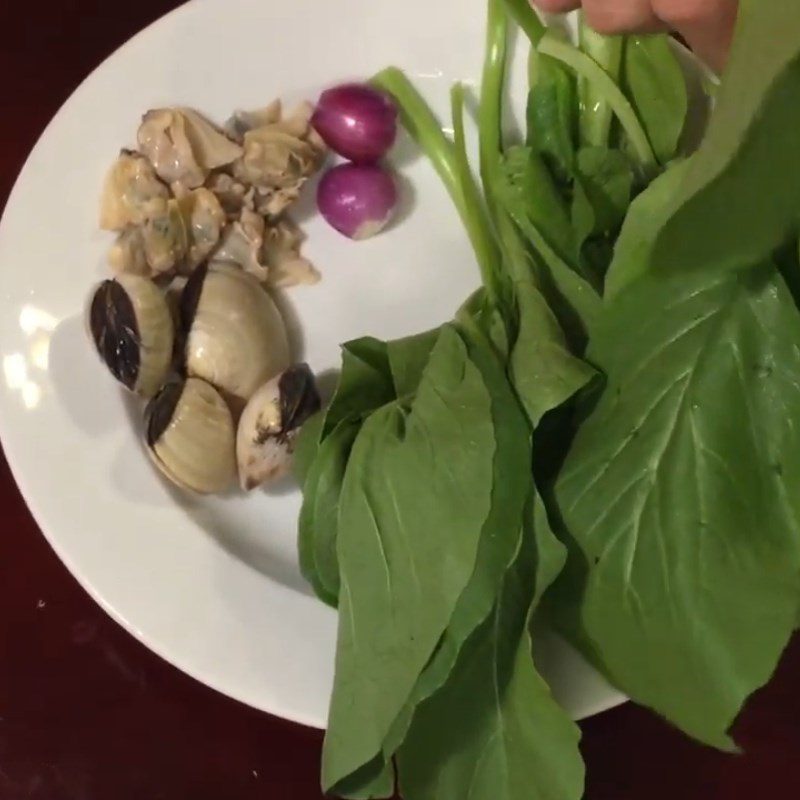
x: 707, y: 25
x: 622, y: 16
x: 557, y: 6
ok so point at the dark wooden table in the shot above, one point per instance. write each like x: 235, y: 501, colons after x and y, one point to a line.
x: 87, y: 713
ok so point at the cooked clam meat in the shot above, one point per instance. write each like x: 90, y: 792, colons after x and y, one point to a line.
x: 281, y: 255
x: 166, y: 239
x: 243, y: 244
x: 132, y: 192
x: 184, y: 146
x: 204, y: 219
x: 278, y: 158
x: 242, y: 121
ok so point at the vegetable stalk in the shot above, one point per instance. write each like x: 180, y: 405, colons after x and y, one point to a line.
x: 491, y: 103
x: 425, y: 129
x: 588, y: 69
x: 523, y: 14
x: 474, y: 215
x: 595, y: 110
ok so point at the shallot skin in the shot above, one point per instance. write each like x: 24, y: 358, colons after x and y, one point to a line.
x: 356, y: 121
x: 358, y: 200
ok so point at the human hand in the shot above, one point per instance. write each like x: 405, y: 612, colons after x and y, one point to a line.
x: 707, y: 25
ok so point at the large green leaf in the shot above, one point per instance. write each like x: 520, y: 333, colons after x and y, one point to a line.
x: 654, y: 83
x: 529, y: 181
x: 307, y: 446
x: 547, y: 376
x: 544, y: 372
x: 306, y: 539
x: 415, y: 497
x: 500, y: 537
x: 681, y: 495
x: 407, y: 360
x: 365, y: 382
x: 647, y: 213
x: 740, y: 197
x: 306, y: 469
x: 494, y: 732
x: 318, y: 526
x: 540, y: 342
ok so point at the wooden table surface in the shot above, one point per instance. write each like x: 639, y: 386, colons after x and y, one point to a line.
x: 87, y: 713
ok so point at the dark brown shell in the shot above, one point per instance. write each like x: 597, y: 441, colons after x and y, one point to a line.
x: 299, y: 397
x: 115, y: 331
x: 160, y: 410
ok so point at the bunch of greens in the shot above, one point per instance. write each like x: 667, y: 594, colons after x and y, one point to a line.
x: 607, y: 433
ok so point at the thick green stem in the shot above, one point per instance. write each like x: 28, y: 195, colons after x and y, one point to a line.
x: 424, y: 129
x: 595, y: 112
x: 450, y: 161
x: 474, y: 213
x: 604, y: 86
x: 490, y: 125
x: 534, y: 68
x: 523, y: 14
x: 521, y: 11
x: 490, y: 113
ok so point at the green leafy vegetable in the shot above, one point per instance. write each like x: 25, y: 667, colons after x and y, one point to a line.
x: 538, y: 197
x: 604, y: 86
x: 306, y: 545
x: 739, y: 199
x: 601, y: 196
x: 606, y: 180
x: 653, y: 81
x: 318, y: 525
x: 546, y: 375
x: 421, y: 515
x: 407, y: 361
x: 364, y: 384
x: 414, y: 500
x: 495, y: 733
x: 574, y: 299
x: 307, y: 447
x: 500, y: 537
x: 681, y: 495
x: 476, y: 217
x: 543, y: 370
x: 552, y: 112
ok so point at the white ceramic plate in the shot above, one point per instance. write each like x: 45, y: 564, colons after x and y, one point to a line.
x: 212, y: 585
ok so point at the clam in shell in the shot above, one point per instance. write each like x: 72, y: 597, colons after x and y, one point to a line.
x: 133, y: 332
x: 190, y: 436
x: 235, y: 336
